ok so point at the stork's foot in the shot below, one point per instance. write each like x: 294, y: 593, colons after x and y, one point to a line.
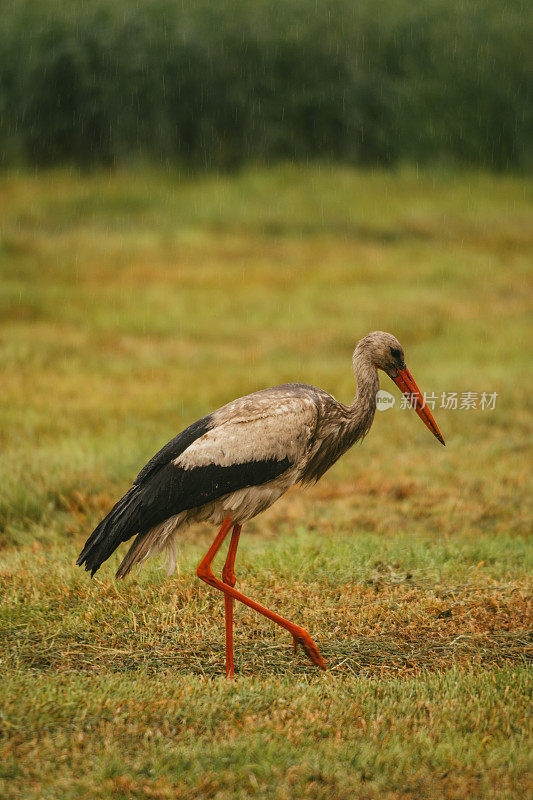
x: 309, y: 648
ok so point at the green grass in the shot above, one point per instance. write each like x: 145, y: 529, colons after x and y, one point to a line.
x: 132, y: 304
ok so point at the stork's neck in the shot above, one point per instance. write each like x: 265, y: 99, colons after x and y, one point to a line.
x: 366, y: 376
x: 361, y: 412
x: 344, y: 425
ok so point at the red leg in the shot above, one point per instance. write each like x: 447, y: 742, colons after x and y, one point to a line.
x: 205, y: 573
x: 228, y: 576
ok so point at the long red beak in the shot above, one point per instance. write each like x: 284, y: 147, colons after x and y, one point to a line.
x: 406, y: 383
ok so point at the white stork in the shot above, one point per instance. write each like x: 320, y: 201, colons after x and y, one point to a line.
x: 234, y: 463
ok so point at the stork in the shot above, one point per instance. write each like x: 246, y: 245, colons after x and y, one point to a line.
x: 234, y: 463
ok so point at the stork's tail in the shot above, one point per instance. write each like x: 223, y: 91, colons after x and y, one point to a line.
x: 117, y: 527
x: 158, y: 539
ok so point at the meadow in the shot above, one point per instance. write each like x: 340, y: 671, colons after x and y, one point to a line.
x: 131, y: 304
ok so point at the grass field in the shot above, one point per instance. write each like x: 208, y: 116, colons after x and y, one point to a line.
x: 132, y: 304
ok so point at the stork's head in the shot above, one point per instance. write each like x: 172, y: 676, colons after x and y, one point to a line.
x: 384, y: 351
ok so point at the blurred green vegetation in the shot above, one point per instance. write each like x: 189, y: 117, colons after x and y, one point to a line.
x: 215, y: 85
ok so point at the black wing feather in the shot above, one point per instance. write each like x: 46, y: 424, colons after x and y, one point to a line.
x: 174, y: 489
x: 113, y: 529
x: 175, y: 447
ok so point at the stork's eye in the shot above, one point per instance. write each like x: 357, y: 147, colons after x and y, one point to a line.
x: 396, y: 354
